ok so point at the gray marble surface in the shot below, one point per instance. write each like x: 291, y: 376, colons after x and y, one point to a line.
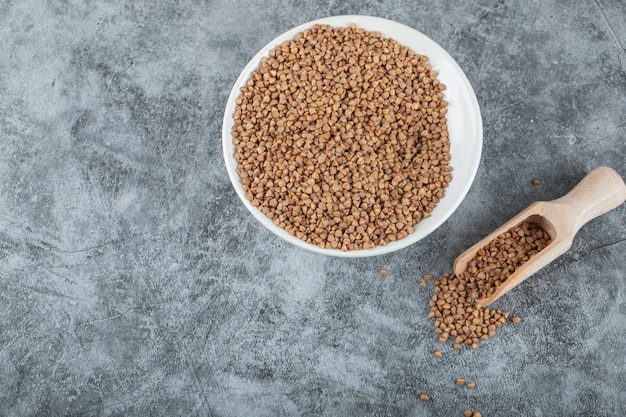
x: 133, y: 282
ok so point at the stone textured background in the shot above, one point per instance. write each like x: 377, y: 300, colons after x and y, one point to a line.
x: 133, y: 282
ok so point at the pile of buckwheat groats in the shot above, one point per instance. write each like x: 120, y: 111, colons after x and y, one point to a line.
x: 341, y: 138
x: 453, y: 305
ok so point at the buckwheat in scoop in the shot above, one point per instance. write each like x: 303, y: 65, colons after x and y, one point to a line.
x: 341, y: 138
x: 453, y: 305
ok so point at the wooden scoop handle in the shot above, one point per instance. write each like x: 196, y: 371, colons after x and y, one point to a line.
x: 600, y: 191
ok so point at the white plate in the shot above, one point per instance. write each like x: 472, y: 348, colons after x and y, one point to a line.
x: 463, y: 117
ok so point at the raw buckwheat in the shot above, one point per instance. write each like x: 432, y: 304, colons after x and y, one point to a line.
x: 341, y: 138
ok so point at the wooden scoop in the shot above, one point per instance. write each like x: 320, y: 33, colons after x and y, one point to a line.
x: 600, y: 191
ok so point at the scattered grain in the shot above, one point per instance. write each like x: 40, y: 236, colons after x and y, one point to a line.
x: 536, y: 182
x: 384, y: 272
x: 438, y: 354
x: 424, y: 397
x: 459, y: 381
x: 516, y: 320
x: 453, y: 305
x: 471, y: 385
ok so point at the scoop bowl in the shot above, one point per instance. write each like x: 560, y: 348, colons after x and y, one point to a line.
x: 600, y: 191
